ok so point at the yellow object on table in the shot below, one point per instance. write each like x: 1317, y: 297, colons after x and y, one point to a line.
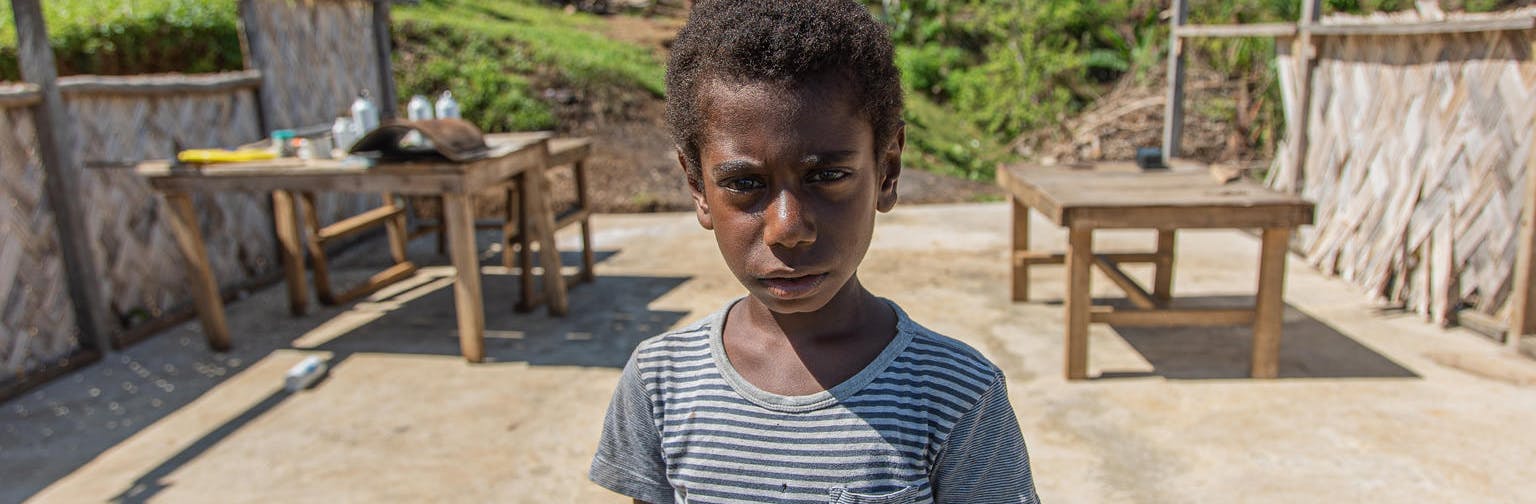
x: 209, y: 156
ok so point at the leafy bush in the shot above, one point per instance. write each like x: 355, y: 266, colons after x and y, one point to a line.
x: 124, y: 37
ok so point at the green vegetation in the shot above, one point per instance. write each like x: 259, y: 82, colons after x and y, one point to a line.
x: 117, y: 37
x: 490, y: 53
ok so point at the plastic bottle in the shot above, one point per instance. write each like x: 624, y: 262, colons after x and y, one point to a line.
x: 305, y: 373
x: 446, y: 107
x: 419, y: 109
x: 344, y: 133
x: 365, y: 116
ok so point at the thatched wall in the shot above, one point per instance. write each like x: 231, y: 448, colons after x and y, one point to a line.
x: 316, y: 57
x: 36, y: 318
x: 1417, y: 154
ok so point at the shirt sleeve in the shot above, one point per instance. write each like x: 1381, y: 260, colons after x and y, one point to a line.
x: 628, y: 459
x: 984, y: 459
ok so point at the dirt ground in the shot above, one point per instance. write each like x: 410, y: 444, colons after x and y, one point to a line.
x: 1371, y: 406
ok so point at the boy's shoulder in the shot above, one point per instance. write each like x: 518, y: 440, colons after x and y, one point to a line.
x: 944, y: 352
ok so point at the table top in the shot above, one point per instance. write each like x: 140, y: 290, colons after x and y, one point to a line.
x: 509, y: 153
x: 1119, y: 195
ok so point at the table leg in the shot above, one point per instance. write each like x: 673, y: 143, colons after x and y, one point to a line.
x: 1162, y: 275
x: 459, y: 221
x: 1269, y: 305
x: 286, y: 222
x: 1078, y: 302
x: 1020, y: 245
x: 537, y: 211
x: 205, y: 291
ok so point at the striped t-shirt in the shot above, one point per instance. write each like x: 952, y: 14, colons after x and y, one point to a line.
x: 927, y: 421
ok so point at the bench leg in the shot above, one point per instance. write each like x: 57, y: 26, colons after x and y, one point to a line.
x: 459, y: 224
x: 1269, y: 305
x: 1162, y: 276
x: 580, y: 170
x: 1020, y: 244
x: 1079, y: 302
x: 317, y: 250
x: 205, y: 290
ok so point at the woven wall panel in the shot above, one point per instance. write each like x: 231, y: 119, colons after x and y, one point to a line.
x: 320, y: 55
x: 1419, y: 184
x: 36, y: 318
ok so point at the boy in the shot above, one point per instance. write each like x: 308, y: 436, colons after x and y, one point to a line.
x: 810, y: 389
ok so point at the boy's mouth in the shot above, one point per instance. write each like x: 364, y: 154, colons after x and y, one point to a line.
x: 792, y: 287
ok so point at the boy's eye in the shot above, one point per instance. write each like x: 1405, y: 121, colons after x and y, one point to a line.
x: 829, y: 175
x: 742, y: 184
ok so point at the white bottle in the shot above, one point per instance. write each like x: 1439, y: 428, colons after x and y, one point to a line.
x: 344, y: 133
x: 446, y: 107
x: 419, y: 109
x: 365, y: 116
x: 304, y: 374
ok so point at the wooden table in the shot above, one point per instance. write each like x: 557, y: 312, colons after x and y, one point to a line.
x: 1121, y: 196
x: 456, y: 183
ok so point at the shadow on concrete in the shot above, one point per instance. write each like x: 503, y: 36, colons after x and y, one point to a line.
x: 1309, y: 348
x: 53, y: 430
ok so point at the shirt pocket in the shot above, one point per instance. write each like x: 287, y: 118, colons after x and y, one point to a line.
x: 906, y: 495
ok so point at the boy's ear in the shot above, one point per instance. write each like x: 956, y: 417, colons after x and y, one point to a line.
x: 890, y: 160
x: 695, y: 188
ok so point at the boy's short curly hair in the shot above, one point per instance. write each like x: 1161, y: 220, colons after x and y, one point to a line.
x: 786, y: 42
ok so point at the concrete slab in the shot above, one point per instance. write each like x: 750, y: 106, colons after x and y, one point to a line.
x: 1371, y: 405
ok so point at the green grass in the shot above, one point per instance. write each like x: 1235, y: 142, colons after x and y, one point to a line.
x: 942, y: 141
x: 491, y: 52
x: 118, y: 37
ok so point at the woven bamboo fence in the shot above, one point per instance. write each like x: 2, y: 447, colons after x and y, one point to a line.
x: 1416, y: 157
x: 36, y: 318
x: 324, y: 56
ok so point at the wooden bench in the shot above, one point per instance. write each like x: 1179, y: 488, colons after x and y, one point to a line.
x: 1121, y: 196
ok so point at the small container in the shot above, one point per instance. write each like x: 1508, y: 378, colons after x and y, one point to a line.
x: 282, y: 143
x: 419, y: 109
x: 447, y: 108
x: 344, y: 133
x: 365, y: 116
x: 304, y: 374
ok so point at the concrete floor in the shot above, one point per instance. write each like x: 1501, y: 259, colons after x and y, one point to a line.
x: 1371, y: 406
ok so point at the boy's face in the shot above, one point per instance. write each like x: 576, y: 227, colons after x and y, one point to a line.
x: 790, y: 183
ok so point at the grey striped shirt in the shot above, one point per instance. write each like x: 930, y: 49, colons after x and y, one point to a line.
x: 927, y: 421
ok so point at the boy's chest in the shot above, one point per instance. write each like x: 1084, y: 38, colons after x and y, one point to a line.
x: 725, y: 452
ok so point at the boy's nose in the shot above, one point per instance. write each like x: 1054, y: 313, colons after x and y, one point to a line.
x: 787, y: 224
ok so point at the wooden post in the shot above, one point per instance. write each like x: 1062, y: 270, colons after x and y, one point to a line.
x: 1020, y: 244
x: 291, y: 248
x: 1305, y: 55
x: 205, y: 290
x: 383, y: 48
x: 1079, y: 301
x: 1162, y: 275
x: 255, y: 56
x: 55, y: 147
x: 1173, y: 115
x: 459, y: 224
x: 1269, y: 304
x: 1522, y: 313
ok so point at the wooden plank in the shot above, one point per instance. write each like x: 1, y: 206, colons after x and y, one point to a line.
x: 569, y: 150
x: 290, y: 247
x: 579, y: 168
x: 1020, y: 277
x: 1266, y: 30
x: 256, y: 55
x: 62, y: 183
x: 1183, y: 317
x: 459, y: 218
x: 1036, y: 258
x: 1424, y: 28
x: 359, y: 223
x: 19, y: 94
x: 160, y: 85
x: 388, y: 100
x: 396, y: 229
x: 395, y: 273
x: 1078, y: 302
x: 317, y: 255
x: 205, y: 291
x: 1269, y: 305
x: 1522, y: 312
x: 1133, y: 290
x: 1173, y: 116
x: 1162, y: 274
x: 1193, y: 217
x: 1155, y: 199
